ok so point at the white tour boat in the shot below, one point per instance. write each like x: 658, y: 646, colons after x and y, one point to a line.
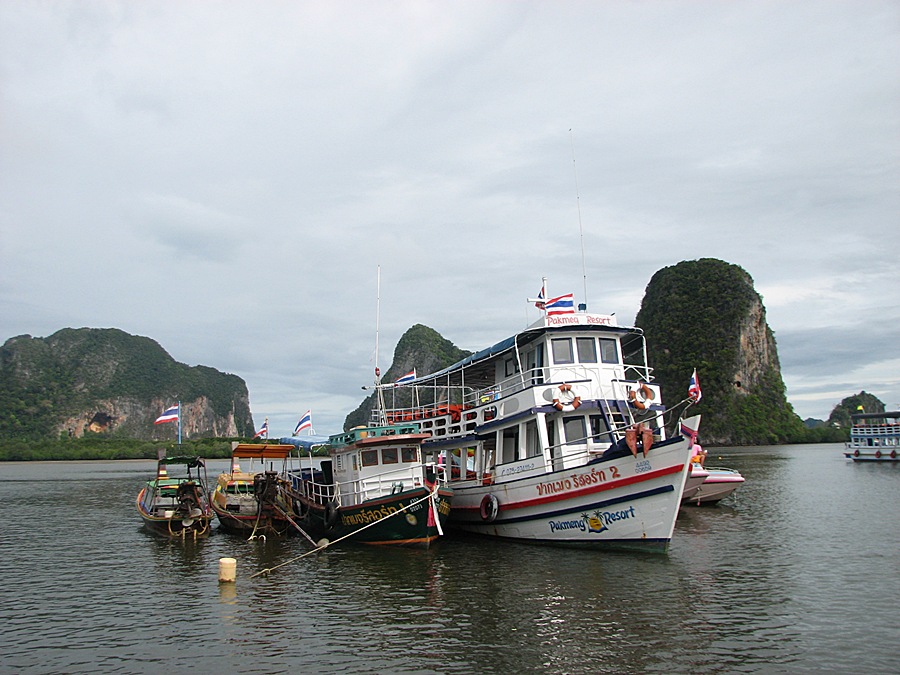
x: 554, y: 435
x: 874, y: 437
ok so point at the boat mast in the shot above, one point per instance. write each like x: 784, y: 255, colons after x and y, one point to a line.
x: 580, y: 228
x: 379, y: 394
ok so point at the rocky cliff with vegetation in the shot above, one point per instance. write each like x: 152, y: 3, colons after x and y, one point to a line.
x: 421, y: 348
x: 705, y: 314
x: 105, y: 381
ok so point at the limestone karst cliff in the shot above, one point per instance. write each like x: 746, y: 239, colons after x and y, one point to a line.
x: 706, y: 314
x: 84, y: 380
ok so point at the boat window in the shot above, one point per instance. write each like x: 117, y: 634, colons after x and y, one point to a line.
x: 587, y: 350
x: 574, y: 429
x: 532, y: 440
x: 535, y: 360
x: 562, y: 351
x: 609, y: 352
x: 408, y: 454
x: 511, y: 367
x: 389, y: 455
x: 369, y: 457
x: 599, y: 430
x: 510, y: 445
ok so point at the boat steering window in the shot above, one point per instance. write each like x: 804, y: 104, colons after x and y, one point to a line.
x: 574, y: 429
x: 609, y: 352
x: 408, y: 454
x: 587, y: 350
x: 370, y: 458
x: 562, y: 351
x: 389, y: 455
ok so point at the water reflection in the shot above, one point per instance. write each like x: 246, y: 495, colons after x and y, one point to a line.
x: 766, y: 580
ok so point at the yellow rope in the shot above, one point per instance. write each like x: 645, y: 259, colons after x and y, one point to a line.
x: 267, y: 570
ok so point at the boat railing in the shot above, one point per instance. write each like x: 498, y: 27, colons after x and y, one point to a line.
x: 355, y: 491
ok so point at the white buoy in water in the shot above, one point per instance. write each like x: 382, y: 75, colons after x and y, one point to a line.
x: 227, y: 570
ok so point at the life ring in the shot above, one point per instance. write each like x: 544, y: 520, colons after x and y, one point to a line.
x: 641, y: 396
x: 856, y: 453
x: 566, y: 397
x: 489, y: 508
x: 878, y: 454
x: 332, y: 513
x: 893, y: 454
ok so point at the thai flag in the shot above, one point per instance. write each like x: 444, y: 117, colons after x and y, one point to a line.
x: 694, y: 392
x: 264, y: 430
x: 539, y: 302
x: 409, y: 377
x: 304, y: 423
x: 169, y: 415
x: 564, y: 304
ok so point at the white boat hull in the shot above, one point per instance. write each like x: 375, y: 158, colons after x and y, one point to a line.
x: 720, y: 483
x: 628, y: 502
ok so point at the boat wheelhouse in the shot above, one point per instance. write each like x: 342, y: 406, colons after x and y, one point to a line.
x: 874, y: 437
x: 377, y: 487
x: 554, y: 435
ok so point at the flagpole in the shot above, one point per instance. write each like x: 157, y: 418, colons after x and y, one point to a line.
x: 179, y: 424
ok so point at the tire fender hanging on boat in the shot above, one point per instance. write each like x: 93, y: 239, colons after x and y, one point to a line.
x: 332, y: 513
x: 490, y: 506
x: 566, y: 399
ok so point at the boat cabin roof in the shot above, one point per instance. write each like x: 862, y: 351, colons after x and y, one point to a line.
x: 895, y: 414
x: 261, y: 451
x: 381, y: 435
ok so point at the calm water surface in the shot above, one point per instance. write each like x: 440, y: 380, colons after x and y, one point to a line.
x: 798, y: 572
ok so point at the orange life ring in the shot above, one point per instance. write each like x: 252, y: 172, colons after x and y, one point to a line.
x: 566, y: 397
x: 489, y: 508
x: 641, y: 396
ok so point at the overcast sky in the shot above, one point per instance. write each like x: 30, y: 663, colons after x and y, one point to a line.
x: 226, y: 177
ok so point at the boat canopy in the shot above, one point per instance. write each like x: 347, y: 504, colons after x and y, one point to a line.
x: 261, y: 451
x: 874, y: 416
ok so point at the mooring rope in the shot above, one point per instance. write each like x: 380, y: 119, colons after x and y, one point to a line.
x: 318, y: 548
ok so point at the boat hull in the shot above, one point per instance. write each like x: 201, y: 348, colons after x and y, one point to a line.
x: 171, y: 523
x: 873, y: 455
x: 720, y: 483
x: 412, y: 518
x: 623, y: 503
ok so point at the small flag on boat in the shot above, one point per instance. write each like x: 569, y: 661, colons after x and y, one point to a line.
x: 564, y: 304
x: 264, y: 430
x: 169, y: 415
x: 694, y: 392
x: 304, y: 423
x: 539, y: 302
x: 409, y: 377
x: 689, y: 433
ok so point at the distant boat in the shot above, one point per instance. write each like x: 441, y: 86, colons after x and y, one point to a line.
x: 554, y: 435
x: 177, y: 506
x: 874, y: 437
x: 250, y: 498
x: 375, y: 488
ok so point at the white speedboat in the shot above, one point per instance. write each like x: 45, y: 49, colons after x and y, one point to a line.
x: 554, y: 435
x: 719, y: 484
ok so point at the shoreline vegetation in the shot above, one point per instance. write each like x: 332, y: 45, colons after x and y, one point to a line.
x: 98, y: 447
x: 108, y: 447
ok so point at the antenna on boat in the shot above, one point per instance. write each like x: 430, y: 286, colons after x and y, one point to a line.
x: 379, y: 394
x: 580, y: 228
x: 377, y: 318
